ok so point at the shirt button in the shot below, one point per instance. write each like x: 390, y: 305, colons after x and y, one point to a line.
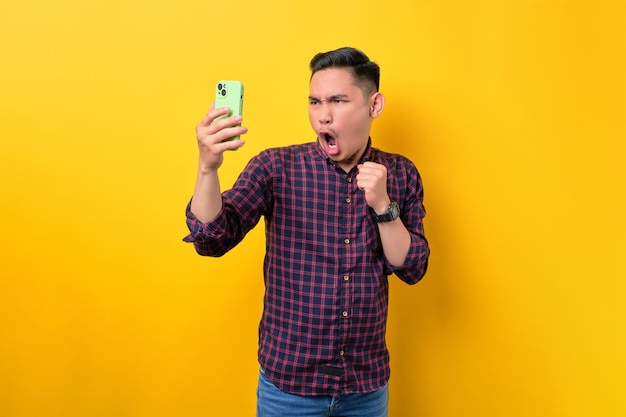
x: 346, y: 241
x: 341, y: 353
x: 345, y: 314
x: 349, y: 179
x: 346, y: 278
x: 348, y: 200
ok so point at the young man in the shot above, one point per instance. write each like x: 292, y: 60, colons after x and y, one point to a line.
x: 340, y: 217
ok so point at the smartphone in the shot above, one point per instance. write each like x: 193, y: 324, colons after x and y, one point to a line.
x: 229, y: 93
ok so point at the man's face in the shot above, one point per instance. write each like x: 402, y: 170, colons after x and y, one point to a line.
x: 340, y: 114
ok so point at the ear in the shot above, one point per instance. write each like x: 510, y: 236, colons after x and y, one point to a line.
x: 377, y: 104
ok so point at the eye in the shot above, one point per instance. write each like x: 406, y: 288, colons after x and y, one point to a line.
x: 313, y: 101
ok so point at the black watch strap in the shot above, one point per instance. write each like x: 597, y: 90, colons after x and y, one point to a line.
x: 393, y: 212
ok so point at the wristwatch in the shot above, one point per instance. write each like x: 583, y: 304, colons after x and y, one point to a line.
x: 393, y: 212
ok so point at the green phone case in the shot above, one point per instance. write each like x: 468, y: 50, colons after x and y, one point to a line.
x: 229, y: 93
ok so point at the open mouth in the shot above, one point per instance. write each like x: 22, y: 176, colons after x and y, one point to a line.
x: 329, y: 138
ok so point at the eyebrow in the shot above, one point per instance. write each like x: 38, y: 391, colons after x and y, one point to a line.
x: 333, y: 97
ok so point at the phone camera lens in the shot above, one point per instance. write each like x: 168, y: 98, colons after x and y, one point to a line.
x: 219, y: 86
x: 223, y: 92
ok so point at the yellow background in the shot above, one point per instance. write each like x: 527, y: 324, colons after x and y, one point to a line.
x: 513, y: 111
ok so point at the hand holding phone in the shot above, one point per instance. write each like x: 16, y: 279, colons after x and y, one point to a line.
x: 229, y: 93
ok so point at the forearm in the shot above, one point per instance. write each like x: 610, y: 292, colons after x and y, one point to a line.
x: 212, y: 136
x: 396, y: 241
x: 207, y: 197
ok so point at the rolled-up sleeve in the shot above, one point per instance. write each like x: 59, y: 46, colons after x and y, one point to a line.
x: 211, y: 238
x: 412, y: 215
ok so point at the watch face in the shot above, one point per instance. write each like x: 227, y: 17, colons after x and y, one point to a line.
x: 394, y: 210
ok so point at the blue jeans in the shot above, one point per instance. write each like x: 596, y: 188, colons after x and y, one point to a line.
x: 273, y: 402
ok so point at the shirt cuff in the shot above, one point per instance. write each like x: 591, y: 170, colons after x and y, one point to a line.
x: 203, y: 232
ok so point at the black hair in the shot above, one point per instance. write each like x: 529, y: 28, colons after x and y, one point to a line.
x: 366, y: 72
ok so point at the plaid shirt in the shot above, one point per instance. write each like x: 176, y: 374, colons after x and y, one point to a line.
x: 325, y: 309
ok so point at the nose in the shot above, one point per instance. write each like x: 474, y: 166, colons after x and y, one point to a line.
x: 325, y: 114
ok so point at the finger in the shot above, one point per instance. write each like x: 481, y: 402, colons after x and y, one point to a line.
x: 372, y: 174
x: 367, y: 172
x: 371, y: 164
x: 206, y: 120
x: 225, y: 135
x: 230, y: 145
x: 362, y: 182
x: 219, y: 128
x: 224, y: 125
x: 366, y: 169
x: 213, y: 114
